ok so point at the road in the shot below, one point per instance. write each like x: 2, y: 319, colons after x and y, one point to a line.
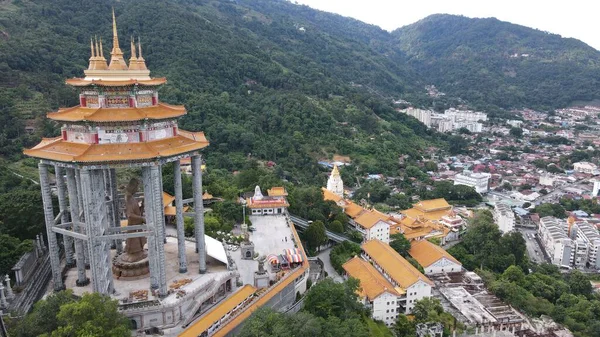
x: 534, y: 251
x: 324, y: 256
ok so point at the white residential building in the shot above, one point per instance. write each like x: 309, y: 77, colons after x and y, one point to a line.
x: 424, y: 116
x: 479, y: 181
x: 586, y: 167
x: 433, y: 258
x: 504, y: 217
x: 557, y: 244
x: 466, y: 115
x: 589, y: 234
x: 547, y: 179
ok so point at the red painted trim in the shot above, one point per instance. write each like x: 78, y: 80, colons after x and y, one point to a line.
x: 141, y: 136
x: 174, y: 131
x: 64, y: 134
x: 82, y: 101
x: 96, y: 139
x: 154, y: 100
x: 131, y: 102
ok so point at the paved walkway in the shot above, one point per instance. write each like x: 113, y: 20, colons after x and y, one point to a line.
x: 324, y: 256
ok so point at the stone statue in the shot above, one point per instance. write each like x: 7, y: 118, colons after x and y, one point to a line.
x: 133, y: 263
x: 261, y: 265
x: 134, y: 247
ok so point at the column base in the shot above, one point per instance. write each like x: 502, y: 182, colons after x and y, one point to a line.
x: 70, y: 264
x: 87, y: 266
x: 59, y: 288
x: 202, y: 271
x: 182, y: 270
x: 82, y: 283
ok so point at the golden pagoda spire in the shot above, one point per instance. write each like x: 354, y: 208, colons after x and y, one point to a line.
x: 140, y: 60
x: 100, y: 60
x: 116, y: 55
x: 97, y: 47
x: 335, y: 172
x: 92, y: 48
x: 101, y: 49
x: 133, y: 64
x: 93, y: 57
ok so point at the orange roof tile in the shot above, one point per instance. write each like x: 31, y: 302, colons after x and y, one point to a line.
x: 372, y: 283
x: 219, y: 311
x: 399, y: 270
x: 432, y: 205
x: 427, y: 253
x: 156, y: 112
x: 167, y: 199
x: 278, y: 191
x: 63, y: 151
x: 267, y: 203
x: 353, y: 210
x: 80, y: 82
x: 328, y: 195
x: 370, y: 218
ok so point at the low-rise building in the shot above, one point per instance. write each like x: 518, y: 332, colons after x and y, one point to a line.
x: 504, y: 217
x: 274, y: 203
x: 586, y: 167
x: 589, y: 234
x: 376, y: 292
x: 433, y: 258
x: 408, y: 282
x: 479, y: 181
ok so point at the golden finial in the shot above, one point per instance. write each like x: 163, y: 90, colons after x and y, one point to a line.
x: 133, y: 65
x: 116, y: 55
x: 97, y: 46
x: 92, y: 48
x: 101, y: 49
x: 140, y: 60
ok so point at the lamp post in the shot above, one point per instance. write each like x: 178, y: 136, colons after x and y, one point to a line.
x: 244, y: 212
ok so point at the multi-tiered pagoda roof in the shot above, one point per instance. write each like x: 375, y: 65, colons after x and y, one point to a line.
x: 119, y: 119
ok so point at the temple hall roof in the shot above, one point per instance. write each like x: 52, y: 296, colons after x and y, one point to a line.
x: 80, y: 114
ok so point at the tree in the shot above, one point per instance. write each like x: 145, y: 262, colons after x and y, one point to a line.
x: 342, y: 253
x: 11, y: 250
x: 427, y: 309
x: 400, y: 244
x: 336, y: 226
x: 329, y: 298
x: 22, y: 214
x: 514, y: 274
x: 42, y: 320
x: 547, y: 209
x: 404, y: 327
x: 315, y: 235
x: 516, y: 132
x: 93, y: 315
x: 579, y: 283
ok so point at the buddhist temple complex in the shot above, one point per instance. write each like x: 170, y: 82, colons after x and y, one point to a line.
x: 115, y: 239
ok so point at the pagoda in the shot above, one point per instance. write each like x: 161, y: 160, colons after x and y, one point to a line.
x: 119, y: 123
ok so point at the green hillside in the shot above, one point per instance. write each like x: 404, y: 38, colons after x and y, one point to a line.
x: 248, y: 75
x: 489, y: 62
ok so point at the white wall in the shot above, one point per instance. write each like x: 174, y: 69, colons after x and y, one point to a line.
x: 385, y: 308
x: 442, y: 265
x: 416, y: 292
x: 381, y: 232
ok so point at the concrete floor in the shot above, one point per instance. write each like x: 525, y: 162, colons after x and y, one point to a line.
x: 123, y: 288
x: 324, y: 256
x: 269, y: 237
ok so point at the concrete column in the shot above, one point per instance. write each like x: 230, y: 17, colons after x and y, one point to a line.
x: 97, y: 222
x: 86, y: 251
x: 164, y: 231
x: 110, y: 205
x: 179, y: 216
x: 82, y: 279
x: 62, y: 205
x: 116, y: 206
x: 9, y: 291
x: 199, y: 211
x: 3, y: 302
x: 49, y: 217
x: 154, y: 213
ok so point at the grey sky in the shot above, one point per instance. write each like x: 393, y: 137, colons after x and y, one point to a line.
x: 574, y: 18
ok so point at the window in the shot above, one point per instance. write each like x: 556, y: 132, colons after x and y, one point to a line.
x: 387, y: 311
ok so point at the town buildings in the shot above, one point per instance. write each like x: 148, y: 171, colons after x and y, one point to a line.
x: 451, y: 119
x: 586, y: 167
x: 504, y: 217
x: 559, y: 247
x: 478, y: 180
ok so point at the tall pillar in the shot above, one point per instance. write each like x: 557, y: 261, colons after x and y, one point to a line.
x: 82, y: 279
x: 96, y: 221
x: 199, y: 211
x: 110, y: 207
x: 86, y: 251
x: 154, y: 213
x: 179, y: 216
x: 116, y: 206
x: 62, y: 205
x: 9, y: 291
x: 49, y: 217
x: 164, y: 230
x: 3, y: 302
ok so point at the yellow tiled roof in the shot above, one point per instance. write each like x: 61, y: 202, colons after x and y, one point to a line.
x: 156, y: 112
x: 399, y: 270
x: 80, y: 82
x: 278, y: 191
x: 369, y: 218
x: 219, y: 311
x: 372, y: 283
x: 427, y: 253
x: 353, y: 210
x: 432, y: 205
x: 328, y: 195
x: 167, y: 199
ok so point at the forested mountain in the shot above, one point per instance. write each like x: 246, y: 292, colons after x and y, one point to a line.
x: 269, y: 85
x: 284, y: 82
x: 494, y: 63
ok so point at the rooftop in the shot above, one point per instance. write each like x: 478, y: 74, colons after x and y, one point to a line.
x: 84, y: 114
x: 372, y: 283
x: 399, y: 270
x: 427, y: 253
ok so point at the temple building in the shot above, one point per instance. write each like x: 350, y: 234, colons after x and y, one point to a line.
x: 273, y: 203
x: 335, y: 183
x: 119, y: 124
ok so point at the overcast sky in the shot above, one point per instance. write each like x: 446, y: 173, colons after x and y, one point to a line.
x: 573, y: 18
